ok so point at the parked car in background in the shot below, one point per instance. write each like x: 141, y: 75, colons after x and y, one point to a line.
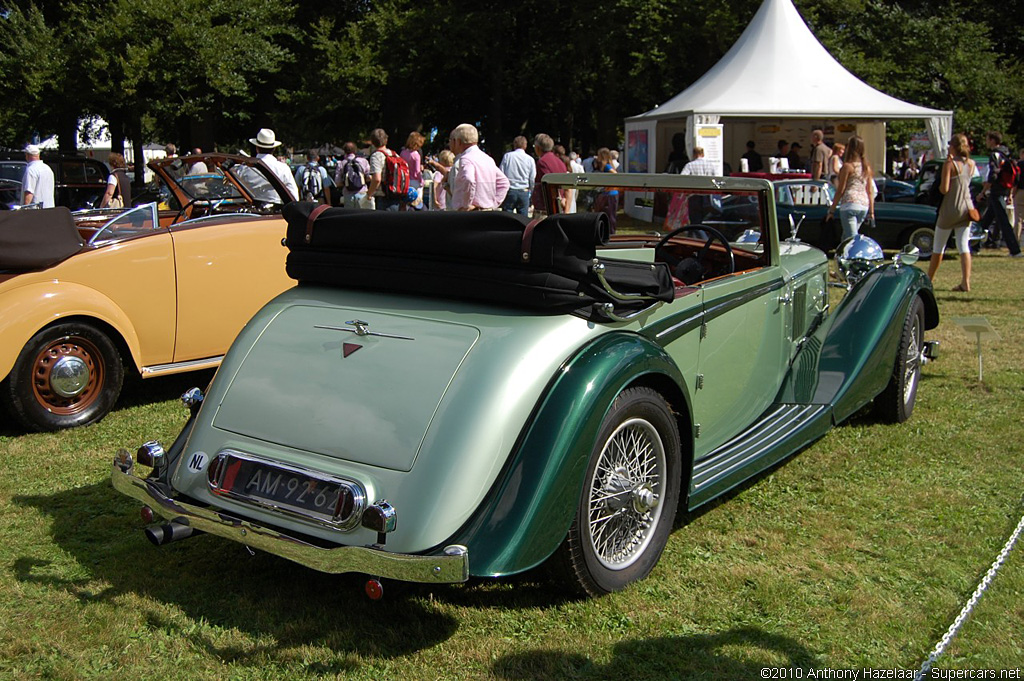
x: 447, y: 395
x: 930, y: 172
x: 156, y: 289
x: 894, y: 191
x: 805, y: 203
x: 79, y: 181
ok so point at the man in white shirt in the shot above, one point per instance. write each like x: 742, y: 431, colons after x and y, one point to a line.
x: 265, y: 141
x: 521, y: 170
x: 700, y: 165
x: 37, y: 182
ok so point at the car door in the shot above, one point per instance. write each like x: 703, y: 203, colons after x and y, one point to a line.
x: 743, y: 354
x: 227, y: 267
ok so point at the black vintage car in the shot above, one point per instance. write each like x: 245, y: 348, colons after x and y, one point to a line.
x: 79, y: 181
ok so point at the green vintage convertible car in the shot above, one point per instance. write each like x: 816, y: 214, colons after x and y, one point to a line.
x: 446, y: 395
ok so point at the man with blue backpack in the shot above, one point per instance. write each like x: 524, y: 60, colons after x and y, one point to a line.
x: 312, y: 178
x: 1003, y: 173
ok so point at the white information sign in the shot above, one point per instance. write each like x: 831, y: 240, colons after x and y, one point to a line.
x: 709, y: 138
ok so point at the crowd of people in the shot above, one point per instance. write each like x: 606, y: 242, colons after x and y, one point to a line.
x: 462, y: 177
x: 459, y: 177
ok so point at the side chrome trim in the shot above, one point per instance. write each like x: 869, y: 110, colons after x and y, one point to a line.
x: 178, y: 367
x: 449, y: 568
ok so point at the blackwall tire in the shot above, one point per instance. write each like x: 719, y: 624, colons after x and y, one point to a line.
x: 67, y: 375
x: 895, y: 404
x: 630, y: 494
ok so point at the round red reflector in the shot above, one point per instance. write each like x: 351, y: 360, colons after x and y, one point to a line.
x: 147, y: 514
x: 374, y: 589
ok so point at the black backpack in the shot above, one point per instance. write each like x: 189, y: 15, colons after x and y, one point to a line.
x: 312, y: 183
x: 355, y: 180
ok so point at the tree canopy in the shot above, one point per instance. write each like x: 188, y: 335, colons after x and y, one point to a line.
x: 211, y: 72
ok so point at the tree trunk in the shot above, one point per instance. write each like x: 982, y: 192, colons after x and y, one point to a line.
x: 67, y: 134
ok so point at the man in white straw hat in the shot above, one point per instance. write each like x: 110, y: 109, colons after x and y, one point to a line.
x: 265, y: 141
x: 37, y: 182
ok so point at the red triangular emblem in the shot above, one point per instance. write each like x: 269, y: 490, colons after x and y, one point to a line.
x: 348, y: 348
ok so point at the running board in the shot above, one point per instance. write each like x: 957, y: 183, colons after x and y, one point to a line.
x: 781, y: 431
x: 179, y: 367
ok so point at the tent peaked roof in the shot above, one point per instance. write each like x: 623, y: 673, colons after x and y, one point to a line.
x: 778, y: 68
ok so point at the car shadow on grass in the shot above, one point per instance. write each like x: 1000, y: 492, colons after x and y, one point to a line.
x: 219, y: 583
x: 698, y: 656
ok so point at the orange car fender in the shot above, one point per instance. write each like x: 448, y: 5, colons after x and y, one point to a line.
x: 33, y: 307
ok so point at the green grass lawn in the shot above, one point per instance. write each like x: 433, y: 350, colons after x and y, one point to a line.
x: 858, y: 552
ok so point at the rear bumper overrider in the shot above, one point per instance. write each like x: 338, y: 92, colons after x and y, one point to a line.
x: 451, y: 567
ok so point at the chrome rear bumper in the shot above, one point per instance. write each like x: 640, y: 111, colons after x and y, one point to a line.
x: 451, y: 567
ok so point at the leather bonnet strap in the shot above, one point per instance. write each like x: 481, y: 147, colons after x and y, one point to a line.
x: 312, y: 218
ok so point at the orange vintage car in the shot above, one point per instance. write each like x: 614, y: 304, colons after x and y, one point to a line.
x: 160, y: 288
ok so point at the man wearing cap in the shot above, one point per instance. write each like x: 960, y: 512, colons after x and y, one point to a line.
x: 265, y: 141
x: 37, y: 182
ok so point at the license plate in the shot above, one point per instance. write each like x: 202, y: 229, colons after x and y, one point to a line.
x: 280, y: 488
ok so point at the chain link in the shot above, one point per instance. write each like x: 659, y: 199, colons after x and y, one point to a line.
x: 966, y: 611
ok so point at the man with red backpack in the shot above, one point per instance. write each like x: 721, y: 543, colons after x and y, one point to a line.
x: 1003, y: 173
x: 389, y: 174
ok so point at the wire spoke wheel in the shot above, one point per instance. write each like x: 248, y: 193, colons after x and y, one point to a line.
x: 628, y: 499
x: 625, y: 492
x: 912, y: 360
x: 896, y: 402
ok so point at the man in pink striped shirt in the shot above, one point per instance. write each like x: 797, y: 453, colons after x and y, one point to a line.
x: 475, y: 180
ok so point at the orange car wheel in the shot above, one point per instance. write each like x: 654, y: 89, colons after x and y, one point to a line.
x: 68, y: 375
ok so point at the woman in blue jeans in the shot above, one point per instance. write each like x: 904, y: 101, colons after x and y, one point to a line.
x: 855, y: 189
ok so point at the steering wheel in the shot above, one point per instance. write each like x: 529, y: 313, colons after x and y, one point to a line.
x: 211, y: 205
x: 701, y: 255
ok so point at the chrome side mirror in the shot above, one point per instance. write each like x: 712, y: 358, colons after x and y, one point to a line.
x: 908, y: 255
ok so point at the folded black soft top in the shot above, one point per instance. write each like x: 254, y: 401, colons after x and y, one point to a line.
x: 493, y: 256
x: 35, y: 239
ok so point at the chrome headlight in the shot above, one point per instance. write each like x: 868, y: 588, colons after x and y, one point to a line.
x: 857, y: 256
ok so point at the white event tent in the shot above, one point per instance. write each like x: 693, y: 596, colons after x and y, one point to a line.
x: 776, y: 82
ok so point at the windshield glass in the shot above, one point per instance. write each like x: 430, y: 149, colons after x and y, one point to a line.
x: 737, y: 214
x: 138, y: 220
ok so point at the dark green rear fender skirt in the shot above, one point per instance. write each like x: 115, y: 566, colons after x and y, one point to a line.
x: 527, y: 513
x: 848, y: 361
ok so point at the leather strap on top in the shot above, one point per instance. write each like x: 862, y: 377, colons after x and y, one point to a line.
x: 312, y: 218
x: 528, y: 238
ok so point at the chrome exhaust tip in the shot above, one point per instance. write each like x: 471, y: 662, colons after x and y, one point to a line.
x: 167, y: 533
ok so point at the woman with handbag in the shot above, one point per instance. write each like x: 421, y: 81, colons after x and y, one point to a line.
x: 957, y: 211
x: 119, y: 189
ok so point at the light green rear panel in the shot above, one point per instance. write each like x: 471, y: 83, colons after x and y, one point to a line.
x: 489, y: 393
x: 372, y: 406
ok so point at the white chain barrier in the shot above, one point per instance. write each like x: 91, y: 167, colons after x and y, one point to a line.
x: 966, y: 611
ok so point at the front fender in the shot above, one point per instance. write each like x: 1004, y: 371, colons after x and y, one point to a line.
x: 527, y: 513
x: 848, y: 361
x: 29, y: 308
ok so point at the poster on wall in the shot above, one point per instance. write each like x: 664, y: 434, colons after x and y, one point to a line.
x: 709, y: 138
x: 636, y: 152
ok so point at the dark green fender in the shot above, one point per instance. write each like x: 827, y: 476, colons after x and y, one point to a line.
x: 528, y: 513
x: 845, y: 363
x: 849, y: 359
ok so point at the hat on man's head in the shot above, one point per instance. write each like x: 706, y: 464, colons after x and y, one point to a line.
x: 795, y: 145
x: 32, y: 149
x: 265, y: 139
